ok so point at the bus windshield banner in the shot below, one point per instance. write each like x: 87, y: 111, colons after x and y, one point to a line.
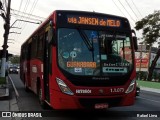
x: 96, y: 21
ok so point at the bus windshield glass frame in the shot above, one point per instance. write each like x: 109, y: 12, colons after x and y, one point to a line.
x: 94, y: 52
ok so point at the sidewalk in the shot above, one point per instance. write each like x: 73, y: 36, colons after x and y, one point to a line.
x: 4, y: 90
x: 7, y: 104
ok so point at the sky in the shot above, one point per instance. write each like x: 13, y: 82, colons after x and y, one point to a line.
x: 134, y: 10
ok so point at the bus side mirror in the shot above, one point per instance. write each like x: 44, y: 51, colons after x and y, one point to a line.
x: 135, y: 40
x: 135, y: 43
x: 51, y: 33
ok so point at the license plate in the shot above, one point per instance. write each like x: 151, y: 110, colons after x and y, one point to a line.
x: 101, y: 106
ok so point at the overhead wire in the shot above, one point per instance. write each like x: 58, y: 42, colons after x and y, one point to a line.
x: 18, y: 10
x: 20, y: 5
x: 121, y: 11
x: 131, y: 9
x: 36, y: 1
x: 34, y: 17
x: 16, y: 18
x: 133, y: 25
x: 118, y: 8
x: 24, y: 10
x: 126, y: 11
x: 30, y: 12
x: 137, y: 8
x: 29, y: 15
x: 138, y: 12
x: 33, y: 7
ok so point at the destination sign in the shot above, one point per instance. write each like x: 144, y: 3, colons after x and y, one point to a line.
x: 82, y: 64
x: 97, y: 21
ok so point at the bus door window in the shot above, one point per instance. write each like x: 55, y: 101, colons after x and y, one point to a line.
x: 125, y: 50
x: 28, y: 63
x: 105, y: 44
x: 40, y: 48
x: 46, y: 65
x: 46, y: 45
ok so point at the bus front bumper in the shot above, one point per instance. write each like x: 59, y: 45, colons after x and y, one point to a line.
x: 59, y: 100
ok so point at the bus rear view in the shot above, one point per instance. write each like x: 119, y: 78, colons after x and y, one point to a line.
x: 91, y: 62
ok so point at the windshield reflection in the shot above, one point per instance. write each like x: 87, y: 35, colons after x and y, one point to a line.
x: 88, y: 52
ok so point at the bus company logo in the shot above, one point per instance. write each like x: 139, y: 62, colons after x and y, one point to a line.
x: 101, y: 91
x: 20, y: 115
x: 6, y: 114
x: 86, y: 91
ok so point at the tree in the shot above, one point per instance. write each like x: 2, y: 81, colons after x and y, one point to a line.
x: 151, y: 33
x: 15, y: 59
x: 151, y: 27
x: 6, y: 18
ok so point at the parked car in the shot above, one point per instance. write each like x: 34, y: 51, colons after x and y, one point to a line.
x: 14, y: 69
x: 137, y: 89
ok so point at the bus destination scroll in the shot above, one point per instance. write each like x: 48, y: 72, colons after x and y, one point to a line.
x: 93, y: 21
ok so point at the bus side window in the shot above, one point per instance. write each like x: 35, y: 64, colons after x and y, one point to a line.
x: 28, y: 51
x: 34, y: 47
x: 40, y: 47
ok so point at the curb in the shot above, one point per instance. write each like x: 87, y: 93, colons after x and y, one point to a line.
x: 150, y: 89
x: 16, y: 92
x: 6, y: 93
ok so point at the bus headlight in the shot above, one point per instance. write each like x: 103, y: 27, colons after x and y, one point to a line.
x: 131, y: 86
x: 64, y: 88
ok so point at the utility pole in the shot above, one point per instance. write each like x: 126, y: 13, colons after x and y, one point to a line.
x: 140, y: 65
x: 153, y: 64
x: 5, y: 46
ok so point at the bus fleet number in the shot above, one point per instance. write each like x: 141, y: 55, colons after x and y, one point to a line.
x: 116, y: 90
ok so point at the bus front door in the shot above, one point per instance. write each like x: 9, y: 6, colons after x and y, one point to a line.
x: 46, y: 67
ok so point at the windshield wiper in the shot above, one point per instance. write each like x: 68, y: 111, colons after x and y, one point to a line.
x: 86, y: 40
x: 88, y: 43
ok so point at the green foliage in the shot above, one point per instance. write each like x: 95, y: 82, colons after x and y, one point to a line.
x: 149, y: 84
x: 15, y: 59
x: 150, y: 26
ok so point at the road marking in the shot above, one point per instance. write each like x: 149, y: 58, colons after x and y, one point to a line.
x: 17, y: 94
x: 149, y: 99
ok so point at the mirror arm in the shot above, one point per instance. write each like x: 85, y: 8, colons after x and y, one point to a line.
x: 134, y: 40
x: 53, y: 32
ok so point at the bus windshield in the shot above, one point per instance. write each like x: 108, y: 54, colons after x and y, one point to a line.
x: 94, y: 53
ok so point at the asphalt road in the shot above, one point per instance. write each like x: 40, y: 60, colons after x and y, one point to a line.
x: 147, y: 106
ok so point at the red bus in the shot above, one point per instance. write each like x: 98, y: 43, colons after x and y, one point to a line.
x: 78, y: 60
